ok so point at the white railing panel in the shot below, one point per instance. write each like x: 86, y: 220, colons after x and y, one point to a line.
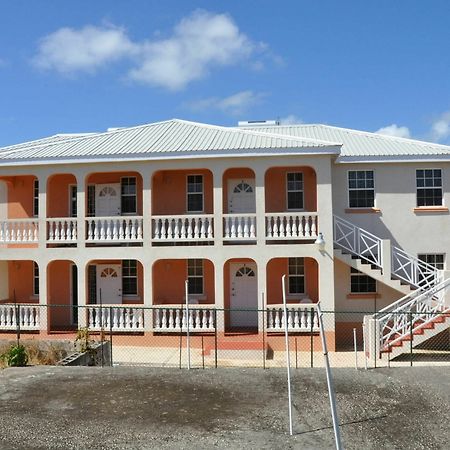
x: 114, y: 229
x: 28, y: 316
x: 20, y: 231
x: 62, y: 230
x: 357, y: 241
x: 173, y: 319
x: 118, y: 318
x: 291, y: 226
x: 183, y: 228
x: 300, y: 318
x: 239, y: 226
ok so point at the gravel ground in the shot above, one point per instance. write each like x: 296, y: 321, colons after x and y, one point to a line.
x: 144, y: 408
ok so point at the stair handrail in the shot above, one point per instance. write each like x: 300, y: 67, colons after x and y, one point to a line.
x: 413, y: 310
x: 357, y: 241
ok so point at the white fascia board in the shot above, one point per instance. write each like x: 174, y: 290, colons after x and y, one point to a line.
x: 171, y: 156
x: 391, y: 159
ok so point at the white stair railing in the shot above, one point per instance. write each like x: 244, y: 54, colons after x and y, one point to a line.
x: 406, y: 316
x: 357, y: 241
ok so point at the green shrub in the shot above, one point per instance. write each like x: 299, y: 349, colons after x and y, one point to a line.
x: 16, y: 356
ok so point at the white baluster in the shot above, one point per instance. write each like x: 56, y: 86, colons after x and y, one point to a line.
x: 209, y: 232
x: 189, y: 228
x: 226, y: 229
x: 178, y: 322
x: 288, y: 226
x: 275, y: 226
x: 202, y: 228
x: 133, y: 234
x: 183, y: 228
x: 139, y: 229
x: 239, y: 227
x: 290, y: 318
x: 196, y: 228
x: 252, y: 227
x: 125, y: 232
x: 277, y: 319
x: 191, y: 319
x: 246, y: 231
x: 307, y: 227
x: 314, y: 226
x: 176, y: 229
x: 282, y: 227
x: 296, y: 320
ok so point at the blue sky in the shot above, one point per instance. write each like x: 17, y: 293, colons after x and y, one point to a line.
x: 76, y: 66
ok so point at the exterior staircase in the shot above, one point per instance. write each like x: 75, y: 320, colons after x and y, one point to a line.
x: 424, y: 310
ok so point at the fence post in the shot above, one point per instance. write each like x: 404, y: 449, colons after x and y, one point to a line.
x: 411, y: 339
x: 264, y: 336
x: 215, y: 338
x: 355, y: 346
x: 311, y: 339
x: 18, y: 320
x: 110, y: 336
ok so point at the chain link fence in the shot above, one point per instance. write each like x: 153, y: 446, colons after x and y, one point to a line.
x: 207, y: 337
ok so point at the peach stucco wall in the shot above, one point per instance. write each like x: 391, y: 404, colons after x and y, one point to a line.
x: 169, y: 191
x: 59, y: 281
x: 231, y: 174
x: 20, y: 196
x: 20, y: 280
x: 114, y: 178
x: 58, y: 195
x: 275, y: 188
x: 278, y: 267
x: 169, y: 276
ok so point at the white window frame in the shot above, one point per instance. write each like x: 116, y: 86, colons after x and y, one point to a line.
x: 195, y: 193
x: 299, y: 190
x: 35, y: 279
x: 202, y: 276
x: 361, y: 189
x: 125, y: 294
x: 93, y: 188
x: 361, y: 274
x: 71, y: 186
x: 296, y: 294
x: 424, y: 187
x: 35, y: 198
x: 132, y: 213
x: 426, y: 255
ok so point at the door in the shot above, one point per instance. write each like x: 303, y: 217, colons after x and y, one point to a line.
x: 241, y: 196
x: 107, y: 200
x: 109, y: 283
x: 244, y: 295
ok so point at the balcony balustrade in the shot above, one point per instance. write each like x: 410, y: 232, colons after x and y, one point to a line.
x: 291, y: 226
x: 183, y: 228
x: 125, y: 318
x: 61, y: 230
x: 239, y: 227
x: 300, y: 318
x: 19, y: 231
x: 117, y: 229
x: 172, y: 319
x: 25, y: 316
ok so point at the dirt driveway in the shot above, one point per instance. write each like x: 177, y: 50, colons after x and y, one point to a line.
x: 140, y: 408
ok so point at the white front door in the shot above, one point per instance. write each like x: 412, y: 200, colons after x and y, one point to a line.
x: 244, y: 295
x: 241, y: 196
x: 107, y: 200
x: 109, y: 283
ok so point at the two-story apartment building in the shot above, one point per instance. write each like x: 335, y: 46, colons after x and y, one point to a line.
x: 125, y: 217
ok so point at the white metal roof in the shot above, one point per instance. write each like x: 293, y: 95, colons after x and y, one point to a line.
x: 363, y: 145
x: 162, y: 139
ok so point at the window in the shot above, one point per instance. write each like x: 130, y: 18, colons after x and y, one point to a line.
x: 73, y: 200
x: 429, y: 187
x: 361, y: 283
x: 361, y: 189
x: 36, y: 198
x: 195, y: 276
x: 129, y: 277
x: 296, y: 272
x: 92, y: 284
x: 35, y: 279
x: 195, y: 193
x: 91, y: 200
x: 128, y: 195
x: 434, y: 259
x: 294, y: 190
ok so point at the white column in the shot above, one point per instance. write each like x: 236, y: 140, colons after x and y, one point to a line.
x: 262, y: 282
x: 44, y: 311
x: 386, y: 259
x: 81, y: 209
x: 147, y: 207
x: 42, y: 219
x: 218, y: 206
x: 147, y: 273
x: 82, y: 294
x: 260, y: 206
x: 219, y: 293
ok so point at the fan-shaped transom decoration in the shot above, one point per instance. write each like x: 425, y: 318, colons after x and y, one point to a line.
x: 109, y: 272
x: 242, y: 187
x: 108, y: 190
x: 245, y: 271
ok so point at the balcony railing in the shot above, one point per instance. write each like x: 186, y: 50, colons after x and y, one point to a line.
x: 183, y: 228
x: 126, y: 318
x: 24, y: 315
x: 291, y: 226
x: 61, y: 230
x: 114, y: 229
x: 301, y: 318
x: 19, y: 231
x: 239, y: 226
x: 172, y: 319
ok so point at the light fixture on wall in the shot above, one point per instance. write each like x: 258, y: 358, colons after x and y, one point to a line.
x: 320, y: 242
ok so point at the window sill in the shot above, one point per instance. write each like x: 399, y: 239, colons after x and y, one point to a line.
x: 362, y: 210
x: 428, y: 209
x: 365, y: 295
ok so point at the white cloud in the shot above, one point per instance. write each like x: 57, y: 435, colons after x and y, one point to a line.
x: 395, y: 130
x: 235, y: 104
x: 199, y: 43
x: 85, y: 50
x: 291, y: 119
x: 440, y: 128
